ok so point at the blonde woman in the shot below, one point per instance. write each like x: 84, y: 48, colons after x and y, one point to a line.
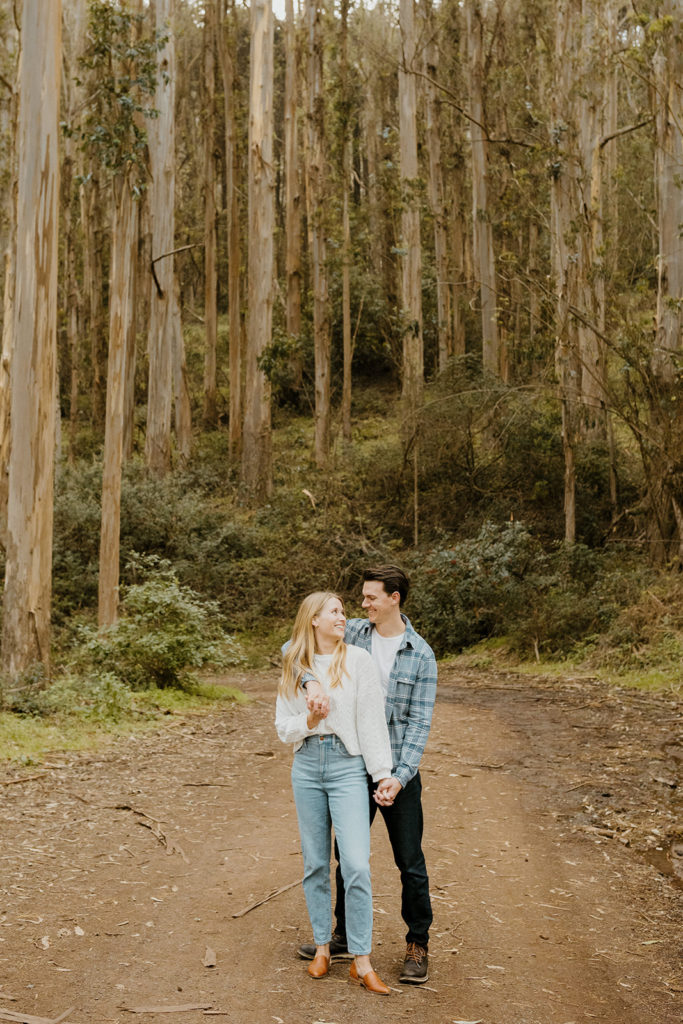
x: 336, y: 746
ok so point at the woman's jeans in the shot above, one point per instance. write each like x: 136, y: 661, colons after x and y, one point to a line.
x: 330, y: 788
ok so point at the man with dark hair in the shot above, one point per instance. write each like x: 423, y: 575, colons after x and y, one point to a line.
x: 407, y: 668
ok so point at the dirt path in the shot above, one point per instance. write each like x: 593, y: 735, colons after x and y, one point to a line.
x: 118, y: 871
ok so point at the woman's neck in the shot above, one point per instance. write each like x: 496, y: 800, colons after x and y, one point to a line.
x: 325, y: 646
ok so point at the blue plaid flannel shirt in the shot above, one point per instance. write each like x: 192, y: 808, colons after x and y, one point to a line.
x: 410, y: 699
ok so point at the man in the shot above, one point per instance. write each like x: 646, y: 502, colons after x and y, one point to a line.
x: 407, y: 668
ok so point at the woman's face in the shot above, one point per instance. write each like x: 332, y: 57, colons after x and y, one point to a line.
x: 330, y: 624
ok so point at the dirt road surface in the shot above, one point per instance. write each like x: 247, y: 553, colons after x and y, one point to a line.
x: 127, y: 875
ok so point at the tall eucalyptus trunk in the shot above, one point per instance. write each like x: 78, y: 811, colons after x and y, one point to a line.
x: 210, y: 410
x: 161, y: 144
x: 227, y: 44
x: 256, y: 445
x: 121, y: 317
x: 28, y: 566
x: 482, y: 230
x: 317, y: 192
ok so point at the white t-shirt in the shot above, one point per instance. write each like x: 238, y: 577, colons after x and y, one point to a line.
x: 384, y: 650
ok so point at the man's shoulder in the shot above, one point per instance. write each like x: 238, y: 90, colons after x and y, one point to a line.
x: 357, y: 629
x: 417, y: 641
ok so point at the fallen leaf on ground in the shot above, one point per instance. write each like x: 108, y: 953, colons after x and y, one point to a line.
x: 209, y: 958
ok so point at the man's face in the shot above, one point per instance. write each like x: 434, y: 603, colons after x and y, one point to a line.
x: 379, y: 605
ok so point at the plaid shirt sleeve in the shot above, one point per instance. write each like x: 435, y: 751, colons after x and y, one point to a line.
x: 409, y: 725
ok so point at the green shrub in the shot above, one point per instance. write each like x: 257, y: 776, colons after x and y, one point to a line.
x: 165, y: 631
x: 503, y: 583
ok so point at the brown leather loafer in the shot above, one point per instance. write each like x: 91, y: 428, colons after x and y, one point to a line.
x: 371, y: 981
x: 319, y: 966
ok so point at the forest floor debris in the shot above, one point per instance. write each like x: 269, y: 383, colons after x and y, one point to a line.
x: 552, y: 843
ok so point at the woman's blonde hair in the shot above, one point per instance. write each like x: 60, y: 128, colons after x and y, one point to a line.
x: 298, y: 659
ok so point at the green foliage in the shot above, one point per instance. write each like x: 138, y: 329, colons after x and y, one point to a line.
x: 502, y: 583
x: 122, y: 68
x: 164, y: 631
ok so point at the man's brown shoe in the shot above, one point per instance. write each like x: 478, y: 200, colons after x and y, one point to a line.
x: 371, y: 981
x: 415, y: 965
x: 319, y: 966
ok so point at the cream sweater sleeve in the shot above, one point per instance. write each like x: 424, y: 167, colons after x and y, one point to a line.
x: 291, y: 719
x: 371, y: 723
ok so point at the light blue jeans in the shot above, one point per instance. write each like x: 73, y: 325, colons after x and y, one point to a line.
x: 330, y: 788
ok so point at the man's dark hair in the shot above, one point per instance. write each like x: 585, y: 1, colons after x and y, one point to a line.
x: 393, y: 578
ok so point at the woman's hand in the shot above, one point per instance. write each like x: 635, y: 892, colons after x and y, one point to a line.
x: 319, y: 705
x: 387, y: 791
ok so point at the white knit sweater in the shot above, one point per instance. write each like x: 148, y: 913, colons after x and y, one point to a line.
x: 356, y: 714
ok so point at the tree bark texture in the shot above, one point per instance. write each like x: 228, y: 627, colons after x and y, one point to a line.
x: 347, y: 345
x: 121, y: 313
x: 161, y: 143
x: 411, y: 250
x: 564, y: 244
x: 292, y: 188
x: 436, y: 196
x: 256, y: 448
x: 317, y: 191
x: 227, y: 42
x: 7, y: 313
x: 668, y: 111
x: 482, y: 231
x: 28, y: 570
x: 210, y: 279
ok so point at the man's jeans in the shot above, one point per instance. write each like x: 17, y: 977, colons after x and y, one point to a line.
x: 330, y: 788
x: 404, y: 823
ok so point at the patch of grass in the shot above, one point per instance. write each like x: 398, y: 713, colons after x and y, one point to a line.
x: 26, y: 739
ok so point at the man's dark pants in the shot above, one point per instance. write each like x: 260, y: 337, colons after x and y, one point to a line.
x: 404, y: 823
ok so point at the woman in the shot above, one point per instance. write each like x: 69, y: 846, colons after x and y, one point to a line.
x: 334, y: 750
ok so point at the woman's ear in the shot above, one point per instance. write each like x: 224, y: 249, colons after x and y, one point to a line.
x: 314, y: 622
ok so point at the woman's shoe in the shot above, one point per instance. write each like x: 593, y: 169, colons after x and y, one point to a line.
x: 371, y: 981
x: 319, y: 966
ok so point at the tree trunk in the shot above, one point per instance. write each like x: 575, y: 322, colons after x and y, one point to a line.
x: 346, y: 226
x: 8, y: 306
x: 28, y: 568
x: 484, y: 263
x: 411, y: 259
x: 72, y: 301
x: 256, y: 449
x: 210, y: 280
x: 161, y: 142
x: 316, y: 177
x: 666, y: 415
x: 433, y: 138
x: 121, y: 289
x: 563, y: 206
x: 591, y: 298
x: 93, y: 275
x: 668, y: 111
x: 292, y: 189
x: 226, y: 51
x: 181, y: 391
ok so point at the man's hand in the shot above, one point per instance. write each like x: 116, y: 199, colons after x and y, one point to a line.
x: 387, y: 791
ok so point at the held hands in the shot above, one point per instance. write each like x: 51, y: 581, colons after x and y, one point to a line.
x: 387, y: 791
x: 317, y: 702
x: 318, y: 708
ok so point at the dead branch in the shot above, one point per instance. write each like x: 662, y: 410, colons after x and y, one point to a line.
x: 270, y: 896
x: 184, y: 1008
x: 26, y: 778
x: 28, y: 1018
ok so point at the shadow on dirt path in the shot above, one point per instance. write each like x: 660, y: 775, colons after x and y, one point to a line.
x: 124, y: 873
